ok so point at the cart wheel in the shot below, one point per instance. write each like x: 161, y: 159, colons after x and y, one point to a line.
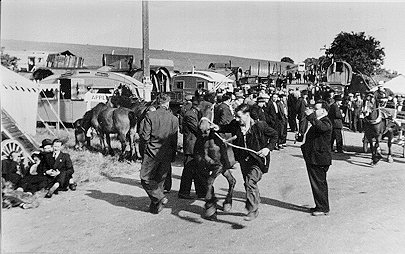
x: 10, y: 145
x: 365, y: 145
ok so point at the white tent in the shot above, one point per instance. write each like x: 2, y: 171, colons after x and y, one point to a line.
x: 19, y: 98
x: 396, y: 85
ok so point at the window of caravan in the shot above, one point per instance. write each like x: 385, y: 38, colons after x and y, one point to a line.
x: 200, y: 84
x: 179, y: 84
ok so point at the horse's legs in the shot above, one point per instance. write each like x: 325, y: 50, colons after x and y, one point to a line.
x: 389, y: 143
x: 136, y: 146
x: 108, y: 140
x: 210, y: 199
x: 372, y: 151
x: 232, y: 182
x: 102, y: 142
x: 123, y: 139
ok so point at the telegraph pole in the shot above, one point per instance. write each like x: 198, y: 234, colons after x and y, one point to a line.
x: 145, y: 51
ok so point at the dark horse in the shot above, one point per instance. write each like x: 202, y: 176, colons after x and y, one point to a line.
x: 376, y: 128
x: 139, y: 108
x: 107, y: 120
x: 83, y: 125
x: 213, y: 155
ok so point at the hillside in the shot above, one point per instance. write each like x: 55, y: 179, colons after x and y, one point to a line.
x: 183, y: 61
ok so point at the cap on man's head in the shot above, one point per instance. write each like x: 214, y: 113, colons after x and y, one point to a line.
x: 163, y: 98
x: 338, y: 97
x: 46, y: 142
x: 304, y: 92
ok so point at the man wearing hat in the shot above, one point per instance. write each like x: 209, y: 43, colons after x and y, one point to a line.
x: 357, y: 106
x: 191, y: 171
x: 262, y: 113
x: 301, y: 106
x: 239, y: 98
x: 336, y: 117
x: 158, y: 130
x: 186, y: 106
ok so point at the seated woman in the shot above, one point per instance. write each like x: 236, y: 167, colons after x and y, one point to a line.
x: 35, y: 180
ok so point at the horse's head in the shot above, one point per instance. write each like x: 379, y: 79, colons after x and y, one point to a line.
x: 206, y: 118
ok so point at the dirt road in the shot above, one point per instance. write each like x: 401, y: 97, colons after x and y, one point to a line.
x: 367, y: 214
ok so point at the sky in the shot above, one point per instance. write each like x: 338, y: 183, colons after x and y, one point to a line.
x: 262, y: 29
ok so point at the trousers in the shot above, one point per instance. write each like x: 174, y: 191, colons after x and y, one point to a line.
x: 319, y: 186
x: 251, y: 175
x: 337, y: 135
x: 191, y: 172
x: 153, y: 176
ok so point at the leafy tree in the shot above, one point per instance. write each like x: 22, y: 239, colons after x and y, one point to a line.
x: 287, y: 59
x: 8, y: 61
x: 311, y: 61
x: 363, y: 53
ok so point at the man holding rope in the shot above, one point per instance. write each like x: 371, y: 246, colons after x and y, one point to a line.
x: 254, y: 141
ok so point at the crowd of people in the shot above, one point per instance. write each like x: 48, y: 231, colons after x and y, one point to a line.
x: 51, y: 170
x: 263, y: 117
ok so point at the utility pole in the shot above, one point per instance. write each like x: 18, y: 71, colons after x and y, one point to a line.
x: 145, y: 51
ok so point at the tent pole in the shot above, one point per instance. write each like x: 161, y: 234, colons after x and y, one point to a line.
x: 58, y: 94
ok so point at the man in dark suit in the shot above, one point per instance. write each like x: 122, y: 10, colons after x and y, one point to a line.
x: 317, y: 155
x: 276, y: 117
x: 336, y: 117
x: 223, y: 114
x: 292, y: 111
x: 158, y: 130
x: 191, y: 169
x: 302, y: 104
x: 61, y: 171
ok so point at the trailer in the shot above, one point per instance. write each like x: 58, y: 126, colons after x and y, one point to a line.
x: 65, y: 93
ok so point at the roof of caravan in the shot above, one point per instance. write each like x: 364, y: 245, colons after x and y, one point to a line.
x: 209, y: 75
x: 93, y: 74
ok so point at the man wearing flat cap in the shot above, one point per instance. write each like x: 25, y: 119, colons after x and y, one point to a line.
x: 336, y: 117
x: 158, y: 131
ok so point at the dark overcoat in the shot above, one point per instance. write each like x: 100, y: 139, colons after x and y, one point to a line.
x: 317, y: 149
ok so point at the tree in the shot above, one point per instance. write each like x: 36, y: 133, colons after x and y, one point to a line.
x: 363, y: 53
x: 287, y: 59
x: 8, y: 61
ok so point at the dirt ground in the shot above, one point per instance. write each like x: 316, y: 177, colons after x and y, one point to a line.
x: 367, y: 213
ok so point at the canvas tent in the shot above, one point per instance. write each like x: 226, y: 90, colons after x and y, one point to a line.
x: 19, y: 98
x: 396, y: 85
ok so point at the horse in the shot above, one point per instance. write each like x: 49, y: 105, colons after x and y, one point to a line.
x: 140, y: 108
x: 121, y: 121
x: 214, y: 156
x: 376, y: 128
x: 82, y: 126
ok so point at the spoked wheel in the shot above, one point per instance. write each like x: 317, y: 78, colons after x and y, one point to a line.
x: 10, y: 145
